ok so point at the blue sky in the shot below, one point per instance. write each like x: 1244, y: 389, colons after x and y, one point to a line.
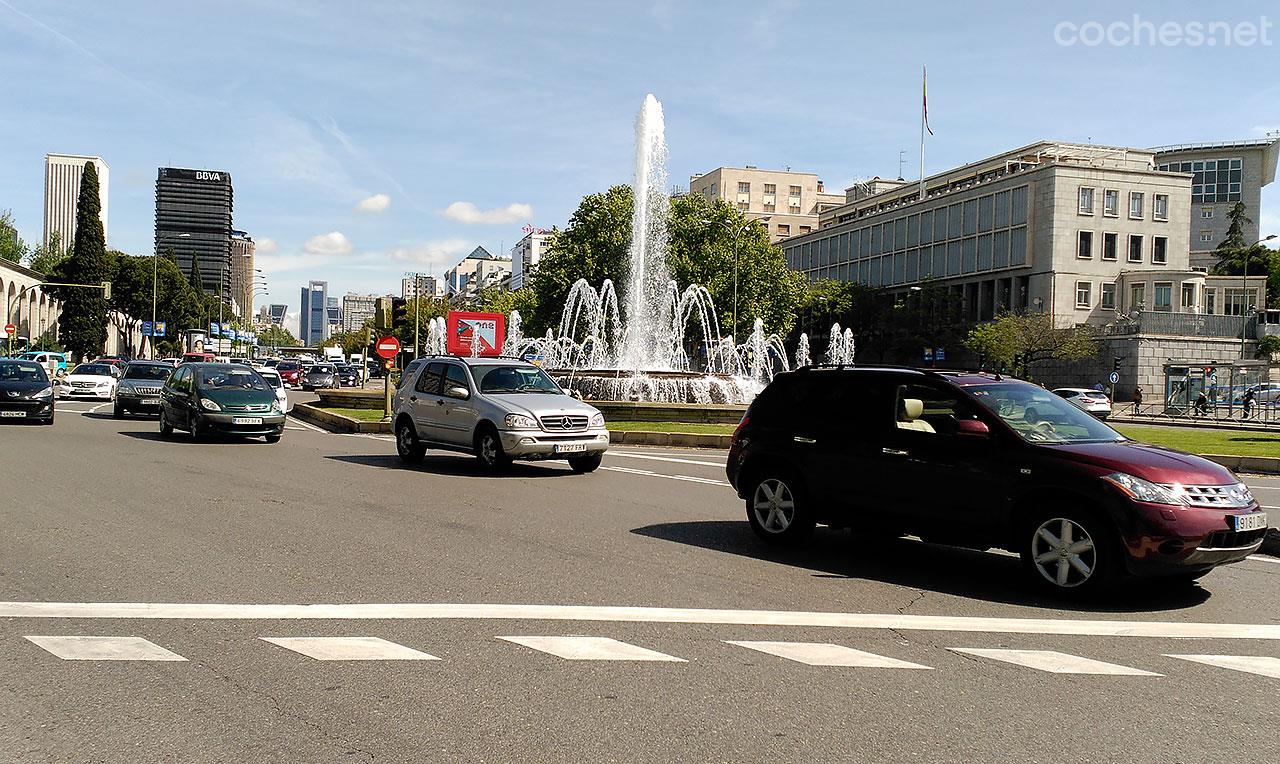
x: 367, y: 139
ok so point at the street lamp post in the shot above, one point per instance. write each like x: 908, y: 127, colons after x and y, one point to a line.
x: 737, y: 237
x: 1244, y: 292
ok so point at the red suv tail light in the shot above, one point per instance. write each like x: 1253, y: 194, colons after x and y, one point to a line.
x: 746, y: 419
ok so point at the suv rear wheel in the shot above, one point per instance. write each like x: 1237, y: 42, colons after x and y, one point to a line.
x: 408, y: 446
x: 1069, y: 552
x: 777, y: 510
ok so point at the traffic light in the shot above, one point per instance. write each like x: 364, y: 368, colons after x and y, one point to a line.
x: 1115, y: 363
x: 399, y: 312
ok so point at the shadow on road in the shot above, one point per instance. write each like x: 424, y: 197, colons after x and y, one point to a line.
x: 919, y: 565
x: 448, y: 464
x: 180, y: 437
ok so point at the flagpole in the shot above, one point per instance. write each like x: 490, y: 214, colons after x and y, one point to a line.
x: 924, y: 95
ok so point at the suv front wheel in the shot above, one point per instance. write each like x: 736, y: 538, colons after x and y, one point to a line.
x: 1069, y: 552
x: 489, y: 450
x: 777, y: 510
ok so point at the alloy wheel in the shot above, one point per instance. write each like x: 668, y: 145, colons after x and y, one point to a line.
x: 774, y: 505
x: 489, y: 449
x: 1064, y: 553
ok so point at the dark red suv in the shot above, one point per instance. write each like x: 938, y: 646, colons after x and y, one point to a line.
x: 977, y: 460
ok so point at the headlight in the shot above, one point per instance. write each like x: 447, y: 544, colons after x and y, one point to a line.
x: 44, y: 394
x: 1144, y: 490
x: 597, y: 420
x: 520, y: 422
x: 275, y: 406
x: 209, y: 405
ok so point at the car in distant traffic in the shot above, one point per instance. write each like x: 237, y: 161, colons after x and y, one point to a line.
x: 231, y: 399
x: 46, y: 358
x: 90, y: 380
x: 1092, y: 401
x: 348, y: 375
x: 271, y: 377
x: 1266, y: 393
x: 979, y: 460
x: 499, y: 409
x: 173, y: 362
x: 139, y: 389
x: 320, y: 375
x: 114, y: 362
x: 290, y: 373
x: 194, y: 357
x: 26, y: 394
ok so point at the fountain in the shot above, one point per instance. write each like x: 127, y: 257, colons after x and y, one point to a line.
x: 667, y: 345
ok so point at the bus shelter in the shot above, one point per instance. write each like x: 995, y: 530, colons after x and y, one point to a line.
x: 1224, y: 384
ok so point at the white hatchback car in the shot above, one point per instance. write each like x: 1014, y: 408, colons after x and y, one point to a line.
x: 273, y: 378
x: 1092, y: 401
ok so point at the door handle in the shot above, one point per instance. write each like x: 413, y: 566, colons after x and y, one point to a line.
x: 801, y: 439
x: 893, y: 452
x: 440, y: 401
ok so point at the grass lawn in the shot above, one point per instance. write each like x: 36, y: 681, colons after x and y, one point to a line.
x: 1227, y: 443
x: 362, y: 415
x: 697, y: 429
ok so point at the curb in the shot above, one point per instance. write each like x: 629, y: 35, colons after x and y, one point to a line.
x: 336, y: 422
x: 1258, y: 465
x: 678, y: 439
x: 1226, y: 425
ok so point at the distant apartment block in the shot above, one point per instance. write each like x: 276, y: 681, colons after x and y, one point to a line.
x: 356, y: 310
x: 525, y: 256
x: 1223, y: 173
x: 792, y: 201
x: 478, y: 270
x: 62, y: 173
x: 424, y: 285
x: 241, y: 290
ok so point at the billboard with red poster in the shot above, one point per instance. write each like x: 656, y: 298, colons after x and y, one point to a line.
x: 475, y: 333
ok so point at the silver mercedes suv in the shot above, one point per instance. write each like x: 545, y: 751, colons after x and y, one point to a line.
x: 500, y: 409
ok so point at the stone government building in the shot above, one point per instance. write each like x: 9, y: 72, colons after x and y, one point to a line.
x: 1098, y: 235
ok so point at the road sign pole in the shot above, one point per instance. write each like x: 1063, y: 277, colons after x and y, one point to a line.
x: 386, y: 394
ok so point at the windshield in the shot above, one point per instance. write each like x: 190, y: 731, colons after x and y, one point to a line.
x: 272, y: 379
x: 21, y: 371
x: 148, y: 371
x: 321, y: 368
x: 1039, y: 416
x: 514, y: 379
x: 93, y: 370
x: 231, y: 379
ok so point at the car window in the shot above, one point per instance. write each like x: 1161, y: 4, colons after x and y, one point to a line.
x: 147, y: 371
x: 1064, y: 393
x: 231, y: 379
x: 514, y: 379
x: 430, y: 380
x: 1041, y: 417
x: 93, y: 370
x: 22, y: 371
x: 824, y: 400
x: 455, y: 376
x: 930, y: 409
x: 323, y: 368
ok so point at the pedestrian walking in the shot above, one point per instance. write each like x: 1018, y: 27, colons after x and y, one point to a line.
x: 1137, y: 399
x: 1098, y: 386
x: 1247, y: 402
x: 1202, y: 404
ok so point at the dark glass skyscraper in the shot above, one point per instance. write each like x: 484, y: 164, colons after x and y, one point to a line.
x: 313, y: 317
x: 193, y: 219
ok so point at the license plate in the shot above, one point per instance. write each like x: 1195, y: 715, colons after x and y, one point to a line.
x: 13, y: 414
x: 570, y: 448
x: 1250, y: 522
x: 246, y: 420
x: 149, y: 401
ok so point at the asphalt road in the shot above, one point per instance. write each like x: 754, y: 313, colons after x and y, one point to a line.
x: 651, y: 552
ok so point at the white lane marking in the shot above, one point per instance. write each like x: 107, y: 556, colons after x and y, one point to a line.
x: 308, y: 425
x: 105, y: 649
x: 825, y: 654
x: 1261, y: 558
x: 591, y: 649
x: 1252, y: 664
x: 1266, y: 507
x: 98, y: 408
x: 647, y: 473
x: 624, y: 614
x: 387, y: 438
x: 1054, y: 662
x: 630, y: 455
x: 350, y: 649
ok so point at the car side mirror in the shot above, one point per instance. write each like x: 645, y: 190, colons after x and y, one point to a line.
x: 973, y: 428
x: 457, y: 392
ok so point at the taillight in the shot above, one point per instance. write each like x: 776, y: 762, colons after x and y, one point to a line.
x: 746, y: 419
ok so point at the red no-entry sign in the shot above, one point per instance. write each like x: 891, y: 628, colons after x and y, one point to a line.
x: 387, y: 347
x: 10, y: 330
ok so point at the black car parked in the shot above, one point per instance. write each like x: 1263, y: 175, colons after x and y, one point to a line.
x: 26, y: 394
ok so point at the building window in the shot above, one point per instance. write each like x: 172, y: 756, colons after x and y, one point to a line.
x: 805, y: 229
x: 793, y: 209
x: 744, y: 205
x: 793, y: 191
x: 1237, y: 301
x: 1160, y: 207
x: 1084, y: 294
x: 769, y: 208
x: 1188, y: 297
x: 744, y: 187
x: 1086, y: 200
x: 1111, y: 203
x: 1159, y: 250
x: 1206, y: 214
x: 1135, y: 205
x: 1215, y: 180
x: 770, y: 188
x: 1110, y: 245
x: 1206, y: 237
x: 784, y: 229
x: 1210, y: 301
x: 1164, y: 296
x: 1109, y: 296
x: 1084, y: 245
x: 1135, y: 248
x: 1137, y: 297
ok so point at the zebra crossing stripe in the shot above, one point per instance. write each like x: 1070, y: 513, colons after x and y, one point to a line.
x: 1054, y: 662
x: 104, y: 649
x: 825, y: 654
x: 1251, y: 664
x: 591, y: 649
x: 349, y: 649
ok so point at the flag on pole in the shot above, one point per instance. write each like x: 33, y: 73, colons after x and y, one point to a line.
x: 924, y: 99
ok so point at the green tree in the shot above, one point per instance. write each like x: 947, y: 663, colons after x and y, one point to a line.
x: 504, y: 301
x: 1235, y: 254
x: 350, y: 342
x: 84, y: 311
x: 1020, y: 340
x: 277, y: 337
x: 12, y: 247
x: 47, y: 257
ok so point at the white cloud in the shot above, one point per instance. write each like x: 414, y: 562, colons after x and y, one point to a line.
x: 431, y: 252
x: 1270, y: 224
x: 332, y: 243
x: 265, y: 246
x: 375, y: 203
x: 466, y: 212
